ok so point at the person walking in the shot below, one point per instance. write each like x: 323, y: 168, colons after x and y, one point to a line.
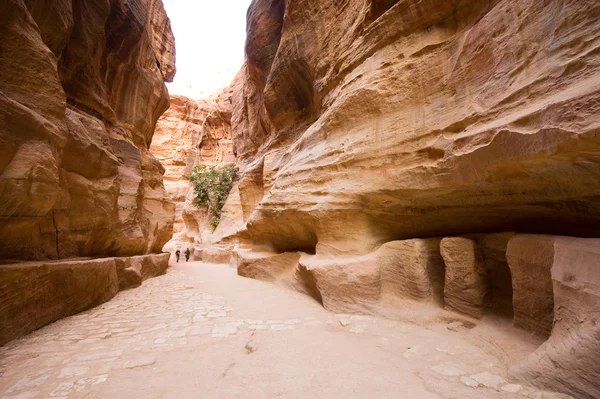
x: 187, y: 254
x: 177, y: 255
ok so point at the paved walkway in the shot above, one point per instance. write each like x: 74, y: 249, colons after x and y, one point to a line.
x: 201, y: 331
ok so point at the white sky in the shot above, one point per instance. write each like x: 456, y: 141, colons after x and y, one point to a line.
x: 209, y: 41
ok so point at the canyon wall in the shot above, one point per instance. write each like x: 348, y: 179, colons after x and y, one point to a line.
x: 82, y: 84
x: 403, y: 152
x: 81, y: 88
x: 191, y: 133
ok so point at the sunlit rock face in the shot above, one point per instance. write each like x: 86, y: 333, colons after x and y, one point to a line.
x: 191, y: 133
x: 363, y: 127
x: 82, y: 85
x: 400, y: 119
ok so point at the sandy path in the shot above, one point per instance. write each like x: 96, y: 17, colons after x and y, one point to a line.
x: 201, y: 331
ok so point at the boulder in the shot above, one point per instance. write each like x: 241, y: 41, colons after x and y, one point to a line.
x: 267, y: 266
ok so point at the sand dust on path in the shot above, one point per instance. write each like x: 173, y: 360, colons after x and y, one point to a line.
x: 201, y: 331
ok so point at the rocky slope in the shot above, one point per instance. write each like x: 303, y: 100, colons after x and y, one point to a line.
x: 191, y: 133
x: 82, y: 85
x: 386, y: 146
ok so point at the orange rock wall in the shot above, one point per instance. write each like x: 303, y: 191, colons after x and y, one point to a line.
x: 191, y: 133
x: 383, y: 120
x: 81, y: 88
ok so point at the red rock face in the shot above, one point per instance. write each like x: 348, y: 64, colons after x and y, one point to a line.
x: 81, y: 88
x: 191, y: 133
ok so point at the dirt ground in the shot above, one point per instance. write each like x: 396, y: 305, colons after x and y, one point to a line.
x: 201, y: 331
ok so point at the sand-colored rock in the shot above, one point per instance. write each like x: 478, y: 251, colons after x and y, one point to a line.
x: 266, y: 266
x: 34, y: 294
x: 375, y: 122
x: 568, y: 361
x: 378, y: 122
x: 465, y: 283
x: 530, y: 258
x: 412, y: 269
x: 346, y: 285
x: 82, y: 88
x: 216, y: 255
x: 191, y: 133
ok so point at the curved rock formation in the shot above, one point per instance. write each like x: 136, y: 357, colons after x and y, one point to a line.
x: 191, y: 133
x: 81, y: 88
x: 418, y: 119
x: 387, y: 140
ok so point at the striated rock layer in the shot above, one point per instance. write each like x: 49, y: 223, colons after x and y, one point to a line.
x: 81, y: 88
x: 385, y: 140
x: 191, y: 133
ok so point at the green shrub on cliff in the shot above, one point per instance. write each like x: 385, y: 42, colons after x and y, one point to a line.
x: 211, y: 186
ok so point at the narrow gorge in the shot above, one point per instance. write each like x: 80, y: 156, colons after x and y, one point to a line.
x: 434, y: 163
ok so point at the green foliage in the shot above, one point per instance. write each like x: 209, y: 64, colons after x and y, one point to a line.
x: 212, y: 185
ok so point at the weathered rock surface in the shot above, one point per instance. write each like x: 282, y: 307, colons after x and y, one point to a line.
x: 191, y: 133
x: 365, y: 126
x: 465, y: 287
x: 81, y: 88
x: 34, y: 294
x: 530, y: 258
x: 380, y: 121
x: 568, y: 360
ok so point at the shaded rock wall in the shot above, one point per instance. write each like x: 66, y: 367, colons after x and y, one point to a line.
x: 191, y: 133
x: 81, y: 88
x: 35, y: 294
x: 386, y: 142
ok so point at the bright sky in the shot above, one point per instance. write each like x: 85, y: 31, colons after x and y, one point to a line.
x: 209, y: 40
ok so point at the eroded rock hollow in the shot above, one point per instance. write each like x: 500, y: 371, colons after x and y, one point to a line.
x: 401, y: 153
x: 82, y: 84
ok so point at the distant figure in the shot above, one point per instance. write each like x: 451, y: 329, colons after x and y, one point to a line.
x: 187, y: 254
x: 177, y: 255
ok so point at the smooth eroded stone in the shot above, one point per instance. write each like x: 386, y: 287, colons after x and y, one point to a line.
x: 82, y: 88
x: 412, y: 269
x: 465, y: 286
x: 35, y: 294
x: 530, y: 258
x: 568, y: 361
x: 217, y: 255
x: 344, y: 285
x: 267, y: 266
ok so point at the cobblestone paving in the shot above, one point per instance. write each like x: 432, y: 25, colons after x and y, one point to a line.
x: 80, y: 351
x: 80, y: 355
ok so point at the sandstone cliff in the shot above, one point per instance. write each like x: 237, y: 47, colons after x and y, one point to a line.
x: 191, y: 133
x: 381, y: 142
x: 81, y: 88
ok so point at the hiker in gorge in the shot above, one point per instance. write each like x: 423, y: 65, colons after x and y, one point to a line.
x: 177, y: 255
x: 187, y: 254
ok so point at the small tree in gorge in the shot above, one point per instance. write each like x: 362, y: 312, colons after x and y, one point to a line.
x: 211, y: 186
